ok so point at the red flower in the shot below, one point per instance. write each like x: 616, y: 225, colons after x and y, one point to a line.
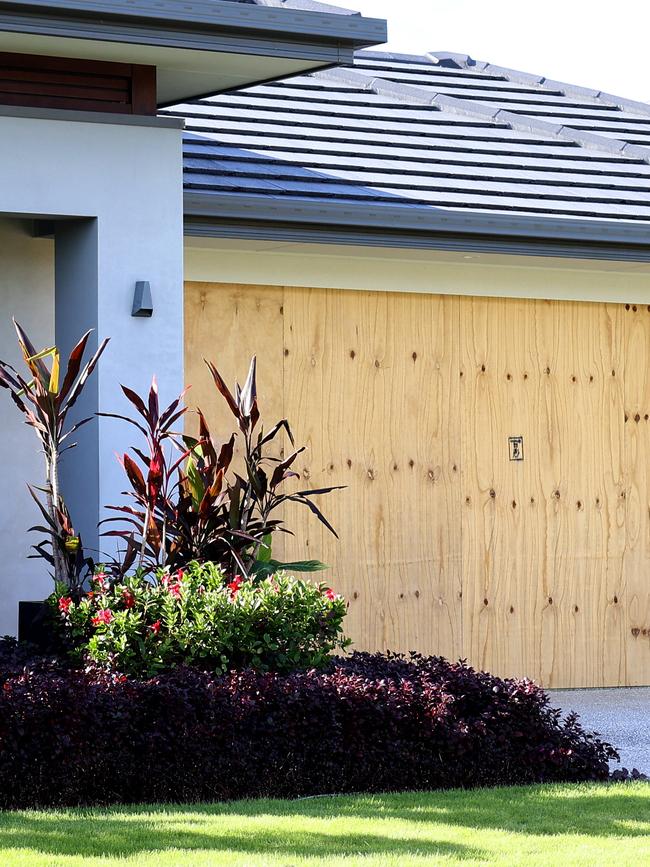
x: 235, y: 584
x: 64, y: 604
x: 155, y: 627
x: 100, y: 579
x: 90, y: 594
x: 174, y: 587
x: 128, y: 598
x: 329, y: 594
x: 180, y: 574
x: 104, y: 615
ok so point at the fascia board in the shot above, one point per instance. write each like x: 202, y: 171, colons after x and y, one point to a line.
x: 99, y: 17
x: 402, y: 218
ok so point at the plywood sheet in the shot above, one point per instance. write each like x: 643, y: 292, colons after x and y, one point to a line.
x: 535, y: 568
x: 372, y: 386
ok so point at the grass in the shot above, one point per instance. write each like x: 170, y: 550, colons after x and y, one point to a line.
x: 549, y: 825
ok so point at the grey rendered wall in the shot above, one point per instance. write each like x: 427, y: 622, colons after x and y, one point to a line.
x: 126, y: 180
x: 27, y: 292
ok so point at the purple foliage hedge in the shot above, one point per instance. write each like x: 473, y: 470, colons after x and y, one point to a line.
x: 364, y: 723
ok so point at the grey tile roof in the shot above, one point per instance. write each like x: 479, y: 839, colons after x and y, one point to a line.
x: 422, y: 132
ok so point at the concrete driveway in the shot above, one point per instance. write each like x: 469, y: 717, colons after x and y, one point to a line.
x: 621, y: 716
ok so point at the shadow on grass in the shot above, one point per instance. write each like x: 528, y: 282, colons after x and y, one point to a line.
x: 68, y: 835
x: 620, y: 811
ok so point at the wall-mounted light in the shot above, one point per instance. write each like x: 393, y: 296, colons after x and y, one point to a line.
x: 142, y: 300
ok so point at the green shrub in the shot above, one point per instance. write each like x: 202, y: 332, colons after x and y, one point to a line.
x: 143, y: 625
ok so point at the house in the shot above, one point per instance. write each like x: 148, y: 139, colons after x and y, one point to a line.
x: 442, y: 265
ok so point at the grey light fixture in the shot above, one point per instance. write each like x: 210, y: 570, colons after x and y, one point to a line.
x: 142, y: 301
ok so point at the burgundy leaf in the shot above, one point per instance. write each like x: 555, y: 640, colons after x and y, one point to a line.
x: 74, y: 365
x: 223, y: 389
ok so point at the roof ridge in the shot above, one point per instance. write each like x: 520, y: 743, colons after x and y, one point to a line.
x: 520, y: 77
x: 410, y: 93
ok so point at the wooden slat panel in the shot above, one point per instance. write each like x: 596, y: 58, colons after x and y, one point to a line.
x: 66, y: 83
x: 144, y: 90
x: 71, y: 90
x: 120, y: 83
x: 11, y: 60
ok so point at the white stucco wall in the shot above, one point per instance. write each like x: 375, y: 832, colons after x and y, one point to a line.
x: 127, y: 178
x: 383, y: 269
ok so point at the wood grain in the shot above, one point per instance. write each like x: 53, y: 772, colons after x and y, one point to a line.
x: 371, y: 384
x: 543, y: 539
x: 636, y: 598
x: 535, y: 568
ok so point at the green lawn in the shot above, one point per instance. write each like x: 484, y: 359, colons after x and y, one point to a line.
x: 551, y: 825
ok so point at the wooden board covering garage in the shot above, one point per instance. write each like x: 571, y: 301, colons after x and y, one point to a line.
x: 536, y: 567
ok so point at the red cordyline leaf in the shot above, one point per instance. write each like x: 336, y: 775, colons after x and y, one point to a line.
x: 169, y: 416
x: 226, y: 453
x: 37, y: 367
x: 6, y: 378
x: 74, y: 366
x: 134, y: 474
x: 280, y: 472
x: 266, y: 438
x: 83, y: 378
x: 223, y: 389
x: 137, y: 401
x: 154, y: 412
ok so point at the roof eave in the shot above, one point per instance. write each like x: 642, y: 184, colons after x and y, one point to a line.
x: 315, y: 40
x: 98, y: 18
x: 250, y: 216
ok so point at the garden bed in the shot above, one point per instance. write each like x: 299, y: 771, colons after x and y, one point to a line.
x: 363, y: 723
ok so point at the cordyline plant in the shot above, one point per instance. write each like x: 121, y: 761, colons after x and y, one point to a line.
x: 196, y: 507
x: 46, y: 402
